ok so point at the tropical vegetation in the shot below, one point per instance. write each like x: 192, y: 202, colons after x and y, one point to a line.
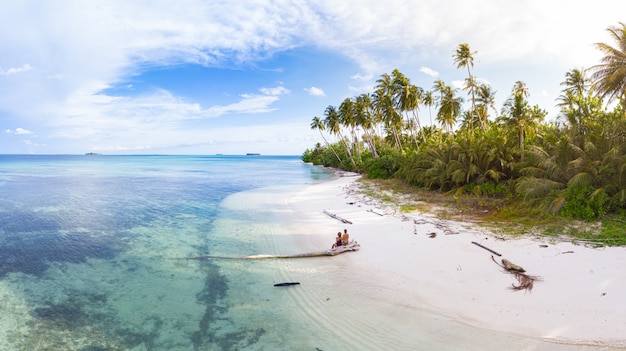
x: 573, y: 166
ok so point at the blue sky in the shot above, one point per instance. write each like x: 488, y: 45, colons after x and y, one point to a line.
x: 231, y: 77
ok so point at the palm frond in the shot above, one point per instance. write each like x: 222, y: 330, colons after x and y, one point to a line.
x: 580, y: 179
x: 533, y: 188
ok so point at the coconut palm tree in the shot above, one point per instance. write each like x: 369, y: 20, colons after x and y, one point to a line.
x: 318, y: 124
x: 332, y: 121
x: 518, y: 114
x: 364, y: 118
x: 348, y: 120
x: 486, y: 99
x: 429, y: 100
x: 578, y: 104
x: 408, y: 98
x: 386, y: 106
x: 464, y: 58
x: 449, y: 105
x: 609, y: 77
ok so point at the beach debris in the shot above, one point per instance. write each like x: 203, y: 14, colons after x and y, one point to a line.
x: 438, y: 224
x: 353, y: 245
x: 332, y: 215
x: 524, y: 281
x: 566, y: 252
x: 543, y: 245
x: 376, y: 212
x: 486, y: 248
x: 287, y: 284
x: 432, y: 235
x: 510, y: 266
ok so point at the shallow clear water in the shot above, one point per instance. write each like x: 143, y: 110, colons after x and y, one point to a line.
x: 92, y: 248
x: 93, y: 257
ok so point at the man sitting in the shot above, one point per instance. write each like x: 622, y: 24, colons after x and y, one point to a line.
x: 345, y: 238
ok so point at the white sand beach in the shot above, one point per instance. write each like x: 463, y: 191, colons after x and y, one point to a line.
x: 401, y: 271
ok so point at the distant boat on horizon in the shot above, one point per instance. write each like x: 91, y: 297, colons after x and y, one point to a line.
x: 253, y: 154
x: 93, y: 154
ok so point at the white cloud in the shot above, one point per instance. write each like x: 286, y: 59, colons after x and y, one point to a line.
x: 315, y: 91
x: 14, y: 70
x: 22, y: 131
x: 102, y: 44
x: 276, y: 91
x: 429, y: 71
x: 457, y: 84
x: 18, y: 131
x: 249, y: 103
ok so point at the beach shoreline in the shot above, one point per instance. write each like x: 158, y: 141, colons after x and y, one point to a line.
x: 427, y: 263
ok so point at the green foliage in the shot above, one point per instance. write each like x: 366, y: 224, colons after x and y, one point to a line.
x: 382, y: 168
x: 575, y: 167
x: 583, y: 202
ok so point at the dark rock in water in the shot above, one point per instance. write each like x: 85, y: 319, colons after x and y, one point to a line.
x: 287, y: 284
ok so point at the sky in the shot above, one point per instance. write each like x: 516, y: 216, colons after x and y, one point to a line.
x: 239, y: 76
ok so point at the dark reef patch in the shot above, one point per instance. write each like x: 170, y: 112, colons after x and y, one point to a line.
x: 31, y: 253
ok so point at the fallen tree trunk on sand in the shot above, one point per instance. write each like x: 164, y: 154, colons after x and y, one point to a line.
x: 337, y: 217
x: 352, y: 246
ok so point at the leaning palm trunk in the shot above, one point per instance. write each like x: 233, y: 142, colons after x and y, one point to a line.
x: 330, y: 146
x: 347, y: 147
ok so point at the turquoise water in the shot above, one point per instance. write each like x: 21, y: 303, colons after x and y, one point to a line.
x: 92, y: 248
x: 94, y: 256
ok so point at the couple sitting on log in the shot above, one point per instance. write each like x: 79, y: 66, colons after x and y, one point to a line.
x: 341, y: 239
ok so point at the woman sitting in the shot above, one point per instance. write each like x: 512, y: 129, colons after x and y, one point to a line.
x: 338, y: 241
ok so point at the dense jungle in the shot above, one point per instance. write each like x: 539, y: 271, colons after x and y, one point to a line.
x: 506, y: 165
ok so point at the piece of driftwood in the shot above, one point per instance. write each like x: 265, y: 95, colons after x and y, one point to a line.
x: 524, y: 281
x: 352, y: 246
x: 337, y: 217
x: 287, y: 284
x: 510, y: 266
x: 486, y: 248
x: 376, y: 212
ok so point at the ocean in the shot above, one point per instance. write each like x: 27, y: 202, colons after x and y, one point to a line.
x: 93, y: 251
x: 101, y: 253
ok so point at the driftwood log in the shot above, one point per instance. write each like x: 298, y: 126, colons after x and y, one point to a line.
x: 352, y: 246
x: 486, y: 248
x: 343, y: 220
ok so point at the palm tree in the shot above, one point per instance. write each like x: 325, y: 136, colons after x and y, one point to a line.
x: 449, y: 105
x: 408, y: 98
x: 429, y: 100
x: 332, y: 121
x: 365, y: 119
x: 318, y: 124
x: 577, y: 103
x: 486, y: 100
x: 386, y: 106
x: 610, y: 75
x: 518, y: 114
x: 464, y: 57
x: 347, y: 119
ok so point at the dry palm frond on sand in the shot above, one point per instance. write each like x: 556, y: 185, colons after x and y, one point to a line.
x: 525, y: 281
